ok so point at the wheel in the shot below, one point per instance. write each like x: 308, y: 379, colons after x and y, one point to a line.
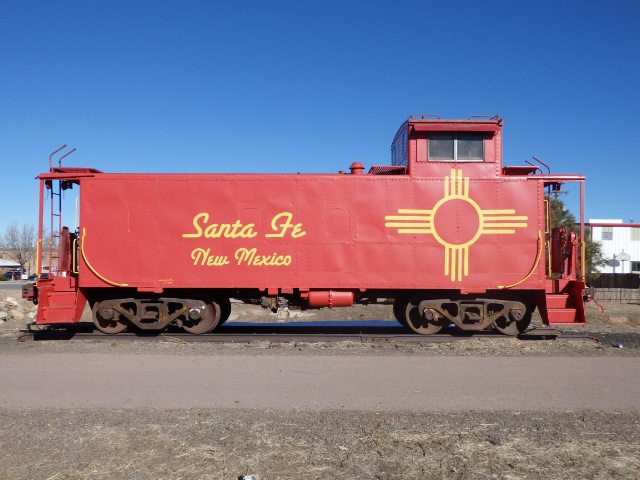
x: 225, y: 309
x: 207, y: 319
x: 400, y: 310
x: 512, y: 328
x: 418, y: 321
x: 514, y: 324
x: 108, y: 320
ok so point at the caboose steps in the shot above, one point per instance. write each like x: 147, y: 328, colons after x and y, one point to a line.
x: 59, y: 301
x: 59, y: 313
x: 562, y: 309
x: 558, y: 300
x: 563, y: 316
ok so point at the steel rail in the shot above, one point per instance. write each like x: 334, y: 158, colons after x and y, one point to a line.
x: 277, y: 334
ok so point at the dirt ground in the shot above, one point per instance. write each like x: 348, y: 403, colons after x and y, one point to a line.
x: 60, y: 443
x: 211, y: 444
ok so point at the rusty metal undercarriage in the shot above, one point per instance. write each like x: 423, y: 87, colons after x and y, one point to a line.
x: 424, y: 316
x: 429, y: 316
x: 192, y: 315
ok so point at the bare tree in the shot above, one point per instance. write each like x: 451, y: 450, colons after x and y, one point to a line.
x: 19, y: 243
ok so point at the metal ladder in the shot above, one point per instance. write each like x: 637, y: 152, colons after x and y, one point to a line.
x: 55, y: 224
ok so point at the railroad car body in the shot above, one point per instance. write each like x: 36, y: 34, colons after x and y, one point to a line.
x: 446, y: 231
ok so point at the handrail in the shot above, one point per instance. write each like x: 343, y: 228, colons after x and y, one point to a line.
x: 542, y: 163
x: 38, y: 257
x: 52, y: 154
x: 74, y: 256
x: 65, y: 155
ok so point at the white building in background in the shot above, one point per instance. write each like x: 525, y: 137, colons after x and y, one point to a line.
x: 620, y: 244
x: 10, y: 266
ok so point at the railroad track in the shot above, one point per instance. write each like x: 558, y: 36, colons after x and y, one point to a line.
x: 278, y: 333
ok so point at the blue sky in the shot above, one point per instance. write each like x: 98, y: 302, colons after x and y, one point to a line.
x: 301, y: 86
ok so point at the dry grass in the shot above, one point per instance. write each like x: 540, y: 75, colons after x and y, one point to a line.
x: 205, y: 444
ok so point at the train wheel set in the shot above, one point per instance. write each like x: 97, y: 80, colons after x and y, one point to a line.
x: 422, y: 316
x: 193, y: 316
x: 428, y: 316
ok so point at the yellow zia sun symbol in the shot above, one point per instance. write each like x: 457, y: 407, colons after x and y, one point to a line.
x: 456, y: 236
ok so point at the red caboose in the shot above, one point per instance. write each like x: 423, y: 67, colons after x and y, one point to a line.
x: 445, y: 230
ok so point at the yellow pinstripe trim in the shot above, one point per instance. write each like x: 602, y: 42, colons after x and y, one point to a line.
x: 535, y: 264
x: 93, y: 270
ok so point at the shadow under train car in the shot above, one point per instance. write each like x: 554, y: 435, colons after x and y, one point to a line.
x: 321, y: 328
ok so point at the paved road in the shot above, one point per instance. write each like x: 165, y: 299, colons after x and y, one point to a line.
x: 13, y: 285
x: 319, y: 382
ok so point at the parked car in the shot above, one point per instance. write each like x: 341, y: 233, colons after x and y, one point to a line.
x: 12, y: 274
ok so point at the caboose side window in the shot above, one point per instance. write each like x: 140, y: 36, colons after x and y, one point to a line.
x: 442, y: 146
x: 456, y: 147
x: 470, y: 147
